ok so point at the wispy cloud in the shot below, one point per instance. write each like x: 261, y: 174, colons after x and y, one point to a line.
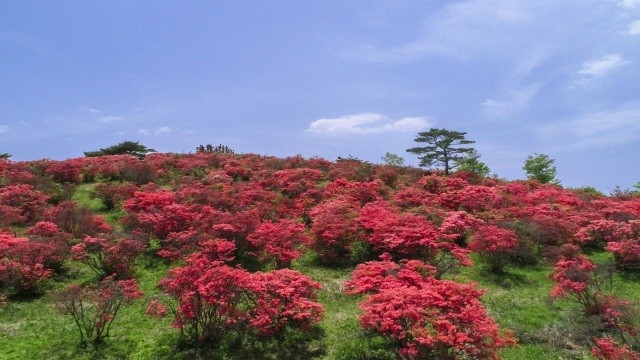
x: 458, y: 29
x: 517, y: 100
x: 367, y: 123
x: 162, y: 130
x: 600, y: 67
x: 629, y: 4
x: 600, y: 129
x: 156, y: 131
x: 93, y: 110
x: 111, y: 118
x: 634, y: 28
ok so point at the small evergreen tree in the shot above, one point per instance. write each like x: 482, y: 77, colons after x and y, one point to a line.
x: 123, y: 148
x: 443, y: 149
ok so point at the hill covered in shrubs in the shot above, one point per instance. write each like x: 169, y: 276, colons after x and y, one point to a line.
x: 217, y: 255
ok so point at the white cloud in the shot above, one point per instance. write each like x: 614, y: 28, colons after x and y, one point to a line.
x: 156, y: 131
x: 367, y: 123
x: 461, y: 29
x: 515, y: 101
x: 494, y: 103
x: 94, y: 111
x: 111, y: 118
x: 3, y: 129
x: 634, y: 28
x: 600, y: 129
x: 602, y: 66
x: 629, y: 4
x: 162, y: 130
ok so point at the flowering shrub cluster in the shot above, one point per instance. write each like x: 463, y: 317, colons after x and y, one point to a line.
x: 493, y: 244
x: 428, y: 318
x: 607, y: 349
x: 24, y: 263
x: 214, y: 298
x: 232, y: 226
x: 108, y: 257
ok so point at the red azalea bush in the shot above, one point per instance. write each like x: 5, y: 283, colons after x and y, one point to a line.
x: 180, y: 244
x: 77, y: 220
x: 10, y: 215
x: 373, y: 276
x: 493, y: 244
x: 108, y: 256
x: 426, y: 317
x: 411, y: 197
x: 573, y: 276
x: 625, y: 245
x: 597, y: 233
x: 334, y: 229
x: 215, y: 299
x: 113, y: 195
x: 30, y: 201
x: 409, y: 236
x: 356, y: 192
x: 278, y: 241
x: 461, y: 225
x: 285, y: 298
x: 607, y: 349
x: 157, y: 213
x: 57, y: 240
x: 471, y: 198
x: 24, y: 263
x: 295, y: 182
x: 576, y: 277
x: 626, y: 253
x: 69, y: 170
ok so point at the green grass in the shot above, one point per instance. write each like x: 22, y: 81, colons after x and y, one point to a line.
x: 83, y: 196
x: 344, y: 338
x: 33, y: 329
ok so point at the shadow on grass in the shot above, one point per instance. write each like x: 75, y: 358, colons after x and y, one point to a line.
x: 504, y: 278
x: 24, y: 297
x: 630, y: 275
x: 110, y: 349
x: 292, y: 345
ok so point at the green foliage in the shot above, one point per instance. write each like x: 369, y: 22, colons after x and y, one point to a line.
x: 209, y: 149
x: 637, y: 188
x: 5, y: 156
x: 123, y: 148
x: 443, y: 148
x: 351, y: 158
x: 470, y: 163
x: 590, y: 190
x: 392, y: 159
x: 540, y: 167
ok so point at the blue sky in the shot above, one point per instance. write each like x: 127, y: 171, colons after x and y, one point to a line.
x: 329, y: 79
